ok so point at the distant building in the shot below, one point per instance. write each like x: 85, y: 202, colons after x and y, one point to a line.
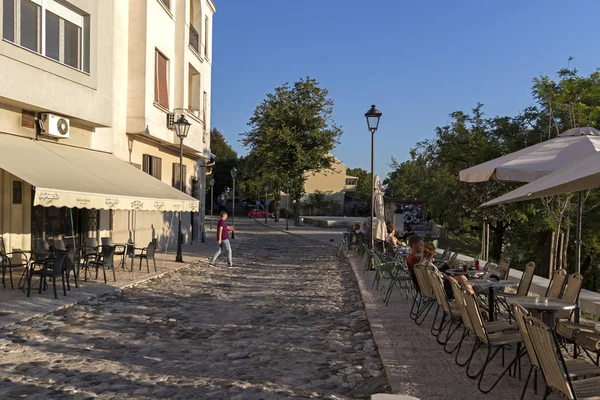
x: 333, y: 183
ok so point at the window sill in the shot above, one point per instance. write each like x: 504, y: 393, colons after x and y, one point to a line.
x: 167, y: 10
x: 192, y: 116
x: 193, y: 50
x: 46, y: 57
x: 161, y: 107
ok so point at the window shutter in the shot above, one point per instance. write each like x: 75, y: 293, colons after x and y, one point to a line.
x: 175, y: 181
x: 146, y: 163
x: 160, y: 89
x: 156, y: 85
x: 157, y: 168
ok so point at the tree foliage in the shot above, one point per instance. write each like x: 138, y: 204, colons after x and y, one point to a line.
x: 521, y: 231
x: 363, y: 186
x: 226, y: 158
x: 292, y: 132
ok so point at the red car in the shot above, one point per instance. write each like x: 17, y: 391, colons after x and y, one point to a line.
x: 257, y: 214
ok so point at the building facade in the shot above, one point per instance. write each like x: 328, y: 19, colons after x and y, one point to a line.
x: 110, y: 76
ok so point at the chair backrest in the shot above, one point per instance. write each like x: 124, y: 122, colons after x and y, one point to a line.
x: 59, y: 245
x: 462, y: 307
x: 557, y: 283
x: 549, y: 357
x: 445, y: 254
x: 437, y: 283
x: 423, y: 281
x: 526, y: 279
x: 520, y: 313
x: 41, y: 249
x: 453, y: 257
x: 59, y: 262
x: 108, y: 256
x: 91, y: 245
x: 70, y: 263
x: 504, y: 268
x: 571, y: 294
x: 475, y: 316
x: 2, y: 248
x: 151, y: 249
x: 106, y: 241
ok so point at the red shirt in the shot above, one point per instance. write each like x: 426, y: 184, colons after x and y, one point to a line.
x: 412, y: 260
x: 224, y: 234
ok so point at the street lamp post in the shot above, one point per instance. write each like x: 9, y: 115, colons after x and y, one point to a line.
x: 212, y: 200
x: 182, y: 127
x: 234, y: 172
x: 372, y: 116
x: 287, y: 208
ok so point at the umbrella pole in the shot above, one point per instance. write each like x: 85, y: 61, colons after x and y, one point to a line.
x: 578, y: 247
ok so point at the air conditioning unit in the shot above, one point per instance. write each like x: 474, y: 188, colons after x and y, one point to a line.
x: 54, y: 125
x: 171, y: 120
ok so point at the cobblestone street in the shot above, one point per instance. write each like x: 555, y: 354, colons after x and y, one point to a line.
x: 287, y: 323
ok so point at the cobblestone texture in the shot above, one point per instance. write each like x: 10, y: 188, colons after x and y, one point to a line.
x: 288, y: 323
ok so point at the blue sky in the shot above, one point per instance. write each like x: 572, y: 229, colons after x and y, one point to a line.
x: 417, y: 61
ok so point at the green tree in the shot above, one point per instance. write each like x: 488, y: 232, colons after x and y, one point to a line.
x: 363, y: 186
x: 292, y: 132
x: 226, y: 158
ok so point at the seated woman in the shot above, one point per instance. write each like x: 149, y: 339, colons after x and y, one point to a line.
x: 391, y: 237
x: 428, y: 258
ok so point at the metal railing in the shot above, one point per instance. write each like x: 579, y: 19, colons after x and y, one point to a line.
x: 194, y: 39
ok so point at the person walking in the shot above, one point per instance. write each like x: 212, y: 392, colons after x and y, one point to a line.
x: 223, y: 240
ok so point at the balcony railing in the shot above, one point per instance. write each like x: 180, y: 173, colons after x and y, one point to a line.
x: 350, y: 188
x: 194, y: 39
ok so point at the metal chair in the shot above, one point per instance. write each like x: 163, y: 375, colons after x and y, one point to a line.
x: 7, y: 262
x: 120, y: 249
x: 70, y: 264
x: 555, y: 368
x: 49, y: 268
x: 147, y: 253
x: 555, y: 288
x: 104, y: 260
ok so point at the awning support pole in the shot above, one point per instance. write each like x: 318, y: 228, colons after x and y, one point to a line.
x: 578, y: 247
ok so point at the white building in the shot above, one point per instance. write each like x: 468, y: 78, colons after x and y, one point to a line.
x: 115, y: 73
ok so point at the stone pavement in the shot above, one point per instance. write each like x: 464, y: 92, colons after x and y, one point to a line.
x: 288, y: 323
x: 16, y: 307
x: 413, y: 361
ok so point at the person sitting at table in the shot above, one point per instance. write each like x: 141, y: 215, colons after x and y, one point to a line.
x: 414, y: 257
x: 429, y: 254
x: 408, y: 232
x: 391, y: 237
x: 356, y: 236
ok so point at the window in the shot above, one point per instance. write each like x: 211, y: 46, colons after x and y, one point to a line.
x: 194, y: 91
x: 206, y: 37
x: 50, y: 28
x: 17, y: 197
x: 175, y: 181
x: 161, y: 90
x: 152, y: 166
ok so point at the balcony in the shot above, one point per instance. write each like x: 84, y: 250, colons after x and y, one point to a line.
x: 194, y: 39
x: 350, y: 187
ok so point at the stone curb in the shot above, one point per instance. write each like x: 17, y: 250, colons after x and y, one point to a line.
x: 383, y: 343
x: 98, y: 295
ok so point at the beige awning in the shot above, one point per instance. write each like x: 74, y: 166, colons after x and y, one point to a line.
x: 66, y: 176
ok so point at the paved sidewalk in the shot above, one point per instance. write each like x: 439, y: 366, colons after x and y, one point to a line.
x: 17, y: 307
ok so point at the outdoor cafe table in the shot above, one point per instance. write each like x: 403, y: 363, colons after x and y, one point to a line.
x: 547, y: 307
x: 469, y: 273
x: 492, y: 286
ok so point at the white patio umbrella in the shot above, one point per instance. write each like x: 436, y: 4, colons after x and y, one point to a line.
x: 575, y: 177
x: 380, y: 231
x: 535, y: 161
x: 539, y: 160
